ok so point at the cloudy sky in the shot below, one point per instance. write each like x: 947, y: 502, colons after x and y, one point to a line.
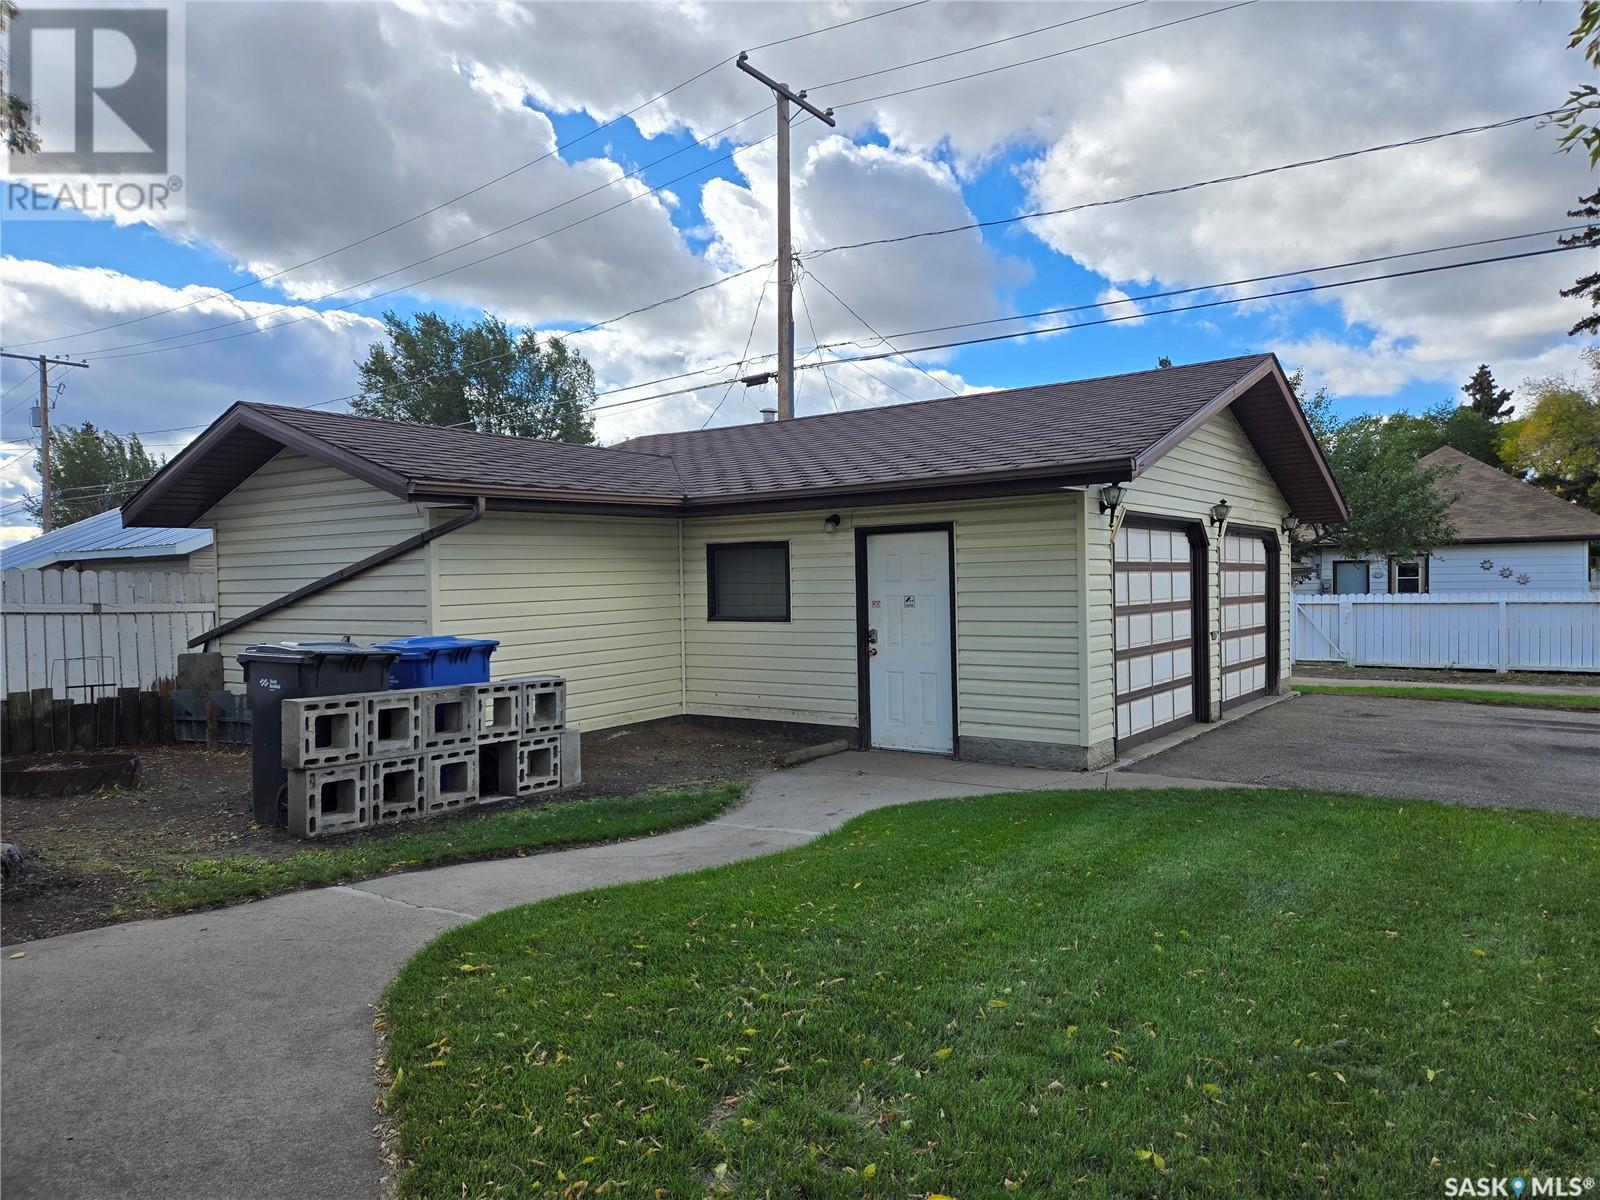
x: 314, y: 126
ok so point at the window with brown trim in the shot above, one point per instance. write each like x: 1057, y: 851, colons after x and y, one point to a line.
x: 747, y: 581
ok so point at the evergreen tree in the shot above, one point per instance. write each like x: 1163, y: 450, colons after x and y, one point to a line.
x: 1485, y: 397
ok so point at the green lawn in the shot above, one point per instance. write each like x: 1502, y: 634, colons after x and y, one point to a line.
x: 1246, y: 993
x: 197, y: 883
x: 1565, y: 703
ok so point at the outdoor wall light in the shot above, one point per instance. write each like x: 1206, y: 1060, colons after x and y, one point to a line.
x: 1291, y: 523
x: 830, y: 523
x: 1111, y: 499
x: 1219, y: 512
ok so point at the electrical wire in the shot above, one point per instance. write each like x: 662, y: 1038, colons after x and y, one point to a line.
x: 1182, y: 187
x: 885, y: 341
x: 1028, y: 62
x: 799, y: 286
x: 553, y: 151
x: 748, y: 342
x: 1296, y: 291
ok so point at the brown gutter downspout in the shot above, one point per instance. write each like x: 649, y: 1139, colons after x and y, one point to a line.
x: 416, y: 540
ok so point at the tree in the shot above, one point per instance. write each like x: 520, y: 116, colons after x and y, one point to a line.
x: 1395, y: 506
x: 1586, y: 285
x: 16, y: 114
x: 1484, y: 397
x: 90, y: 471
x: 482, y: 376
x: 1558, y: 443
x: 1579, y: 128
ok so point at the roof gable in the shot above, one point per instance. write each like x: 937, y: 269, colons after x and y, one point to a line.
x: 1490, y: 505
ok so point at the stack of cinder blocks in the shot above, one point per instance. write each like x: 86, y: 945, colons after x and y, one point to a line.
x: 373, y: 759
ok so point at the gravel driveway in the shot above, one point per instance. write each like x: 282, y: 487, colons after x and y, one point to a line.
x: 1459, y: 753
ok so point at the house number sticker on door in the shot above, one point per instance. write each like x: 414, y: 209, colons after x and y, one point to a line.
x: 911, y: 601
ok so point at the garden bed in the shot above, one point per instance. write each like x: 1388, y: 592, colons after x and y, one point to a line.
x: 121, y: 854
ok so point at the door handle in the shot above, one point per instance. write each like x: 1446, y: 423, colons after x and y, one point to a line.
x: 872, y: 637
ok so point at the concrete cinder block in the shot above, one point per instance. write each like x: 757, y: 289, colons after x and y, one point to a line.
x: 451, y: 778
x: 392, y: 723
x: 322, y: 731
x: 544, y: 704
x: 449, y: 717
x: 499, y: 711
x: 329, y: 800
x: 539, y: 765
x: 571, y: 758
x: 398, y: 790
x: 499, y: 769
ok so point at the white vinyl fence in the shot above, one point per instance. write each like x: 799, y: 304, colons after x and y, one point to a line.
x: 86, y: 633
x: 1525, y: 631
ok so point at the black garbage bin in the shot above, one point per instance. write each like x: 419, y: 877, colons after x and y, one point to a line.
x: 279, y: 671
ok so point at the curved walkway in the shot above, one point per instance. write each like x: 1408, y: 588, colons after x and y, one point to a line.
x: 229, y: 1053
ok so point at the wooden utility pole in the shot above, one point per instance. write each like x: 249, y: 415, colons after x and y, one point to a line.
x: 784, y: 97
x: 43, y: 365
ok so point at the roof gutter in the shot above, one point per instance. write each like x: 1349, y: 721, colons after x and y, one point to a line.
x: 415, y: 541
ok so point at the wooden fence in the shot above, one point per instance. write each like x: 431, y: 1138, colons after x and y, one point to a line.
x: 1498, y: 631
x: 39, y: 723
x: 84, y: 634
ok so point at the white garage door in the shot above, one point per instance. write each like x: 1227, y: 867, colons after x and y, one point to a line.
x: 1153, y: 577
x: 1246, y: 613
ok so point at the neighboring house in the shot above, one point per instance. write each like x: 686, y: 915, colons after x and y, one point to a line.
x: 1510, y: 536
x: 102, y: 543
x: 934, y: 576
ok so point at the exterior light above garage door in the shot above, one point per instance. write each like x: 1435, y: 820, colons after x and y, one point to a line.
x: 1111, y: 498
x: 1219, y: 513
x: 1290, y: 523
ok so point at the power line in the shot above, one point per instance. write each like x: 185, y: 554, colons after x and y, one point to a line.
x: 1232, y: 283
x: 1028, y: 62
x: 1296, y: 291
x: 553, y: 151
x: 1177, y: 188
x: 910, y: 361
x: 799, y: 286
x: 748, y: 342
x: 922, y: 62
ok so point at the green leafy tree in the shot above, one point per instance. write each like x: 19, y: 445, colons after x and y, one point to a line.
x: 90, y: 471
x: 1557, y: 445
x: 1485, y: 396
x: 1395, y: 506
x: 482, y: 376
x: 16, y: 114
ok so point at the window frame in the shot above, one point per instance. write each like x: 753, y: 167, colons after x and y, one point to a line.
x: 1421, y: 566
x: 712, y: 551
x: 1364, y: 563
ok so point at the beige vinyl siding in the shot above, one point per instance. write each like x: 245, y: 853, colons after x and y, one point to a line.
x: 1216, y: 462
x: 594, y: 599
x: 1016, y: 619
x: 296, y: 520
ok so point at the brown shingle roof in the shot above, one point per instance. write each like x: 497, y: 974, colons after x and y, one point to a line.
x: 1492, y: 506
x: 1084, y: 421
x: 1081, y: 432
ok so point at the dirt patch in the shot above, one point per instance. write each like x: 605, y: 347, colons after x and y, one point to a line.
x: 1450, y: 678
x: 86, y: 856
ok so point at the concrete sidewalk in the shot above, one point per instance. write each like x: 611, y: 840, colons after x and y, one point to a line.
x: 229, y: 1053
x: 1536, y: 688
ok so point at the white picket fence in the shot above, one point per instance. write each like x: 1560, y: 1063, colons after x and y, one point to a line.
x: 1523, y: 631
x: 87, y: 633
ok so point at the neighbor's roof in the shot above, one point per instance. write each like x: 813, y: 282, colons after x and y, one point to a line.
x: 1491, y: 506
x: 102, y: 536
x: 1080, y: 433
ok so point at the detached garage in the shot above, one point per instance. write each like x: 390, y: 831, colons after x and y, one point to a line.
x: 1041, y: 575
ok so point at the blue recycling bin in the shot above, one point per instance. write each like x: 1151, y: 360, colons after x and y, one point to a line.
x: 438, y: 661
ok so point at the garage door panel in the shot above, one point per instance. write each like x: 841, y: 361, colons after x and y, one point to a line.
x: 1152, y: 594
x: 1246, y: 671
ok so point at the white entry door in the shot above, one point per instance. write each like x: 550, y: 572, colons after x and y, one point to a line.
x: 909, y: 643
